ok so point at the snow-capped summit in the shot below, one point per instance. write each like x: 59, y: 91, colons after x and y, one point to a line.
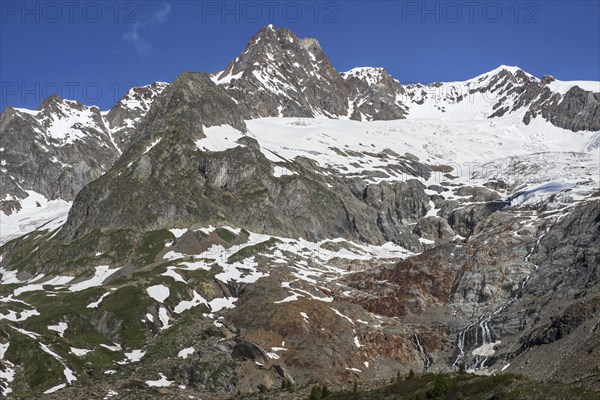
x: 374, y: 94
x: 289, y: 76
x: 371, y: 75
x: 285, y: 76
x: 503, y: 69
x: 52, y: 152
x: 59, y: 122
x: 124, y: 116
x: 504, y: 91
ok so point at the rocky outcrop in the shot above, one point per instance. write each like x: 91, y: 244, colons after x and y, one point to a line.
x: 434, y: 228
x: 578, y: 110
x: 410, y: 286
x: 554, y: 297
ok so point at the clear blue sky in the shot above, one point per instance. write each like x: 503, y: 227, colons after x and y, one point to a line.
x: 92, y: 51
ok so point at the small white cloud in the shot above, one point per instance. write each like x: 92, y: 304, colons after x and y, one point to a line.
x: 160, y: 16
x: 141, y: 45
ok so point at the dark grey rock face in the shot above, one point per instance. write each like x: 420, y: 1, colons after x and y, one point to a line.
x: 556, y: 312
x: 533, y: 292
x: 150, y: 186
x: 434, y: 228
x: 374, y: 95
x: 578, y: 110
x: 464, y: 220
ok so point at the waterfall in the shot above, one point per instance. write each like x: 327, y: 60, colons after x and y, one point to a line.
x: 427, y: 361
x: 483, y: 325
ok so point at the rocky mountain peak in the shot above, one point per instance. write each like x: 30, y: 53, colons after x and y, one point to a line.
x: 263, y: 46
x: 139, y: 98
x: 369, y: 74
x: 53, y: 151
x: 546, y: 79
x: 123, y: 118
x: 500, y: 76
x: 375, y: 95
x: 190, y: 102
x: 288, y: 76
x: 56, y: 105
x: 51, y: 100
x: 285, y: 76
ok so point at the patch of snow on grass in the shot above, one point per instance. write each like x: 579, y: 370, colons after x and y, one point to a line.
x: 187, y: 304
x: 132, y: 357
x: 186, y: 352
x: 163, y: 315
x: 171, y: 272
x: 158, y: 292
x: 178, y: 232
x: 162, y: 382
x: 220, y: 303
x: 95, y: 304
x: 114, y: 347
x: 101, y: 274
x: 173, y: 255
x: 56, y: 388
x: 79, y: 352
x: 60, y: 328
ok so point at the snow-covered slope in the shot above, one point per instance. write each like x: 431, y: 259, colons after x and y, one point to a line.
x: 474, y: 151
x: 36, y: 212
x: 508, y: 90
